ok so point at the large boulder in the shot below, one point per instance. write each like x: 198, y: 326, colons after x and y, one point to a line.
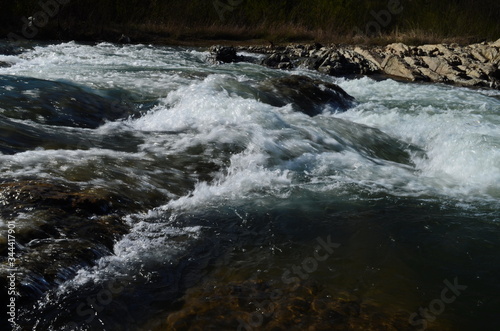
x: 307, y: 95
x: 223, y: 54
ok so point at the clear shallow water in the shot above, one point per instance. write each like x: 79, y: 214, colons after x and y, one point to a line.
x: 227, y: 187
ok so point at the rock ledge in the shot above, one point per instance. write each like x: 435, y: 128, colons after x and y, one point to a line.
x: 475, y: 65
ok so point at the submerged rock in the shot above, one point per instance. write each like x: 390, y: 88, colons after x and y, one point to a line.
x: 257, y: 305
x: 307, y: 95
x: 58, y: 103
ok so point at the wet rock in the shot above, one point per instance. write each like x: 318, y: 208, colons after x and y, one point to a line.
x: 16, y: 137
x: 310, y: 63
x: 59, y: 103
x: 10, y: 50
x: 223, y: 54
x: 59, y: 222
x: 374, y: 143
x: 346, y: 62
x: 5, y: 64
x: 278, y: 61
x: 335, y: 65
x: 306, y: 95
x: 124, y: 39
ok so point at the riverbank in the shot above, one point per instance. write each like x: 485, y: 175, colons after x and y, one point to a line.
x: 474, y: 65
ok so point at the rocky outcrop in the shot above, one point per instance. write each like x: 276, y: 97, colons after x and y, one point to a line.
x: 472, y: 65
x: 335, y: 62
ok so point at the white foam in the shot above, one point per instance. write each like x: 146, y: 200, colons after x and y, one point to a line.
x: 143, y: 69
x: 268, y: 151
x: 458, y: 129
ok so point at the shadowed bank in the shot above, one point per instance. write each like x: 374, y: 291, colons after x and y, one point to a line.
x: 178, y: 21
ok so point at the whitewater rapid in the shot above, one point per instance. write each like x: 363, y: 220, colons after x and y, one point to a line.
x: 200, y: 143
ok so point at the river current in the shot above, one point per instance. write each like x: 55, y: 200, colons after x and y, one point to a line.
x: 225, y: 212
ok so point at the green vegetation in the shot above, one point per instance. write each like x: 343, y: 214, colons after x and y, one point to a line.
x: 414, y: 21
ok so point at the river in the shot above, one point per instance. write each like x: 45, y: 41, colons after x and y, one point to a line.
x: 218, y: 210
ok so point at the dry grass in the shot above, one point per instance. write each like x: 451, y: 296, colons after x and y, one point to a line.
x: 326, y: 21
x: 280, y: 34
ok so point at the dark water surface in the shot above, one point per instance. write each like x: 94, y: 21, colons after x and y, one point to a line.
x: 149, y: 190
